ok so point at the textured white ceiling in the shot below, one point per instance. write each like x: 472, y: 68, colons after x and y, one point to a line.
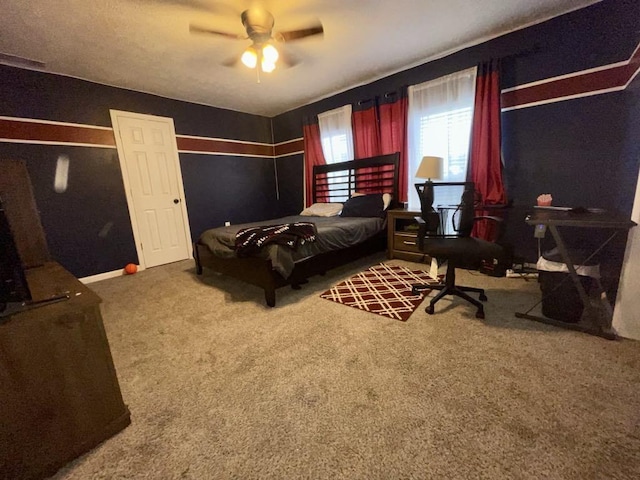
x: 145, y: 45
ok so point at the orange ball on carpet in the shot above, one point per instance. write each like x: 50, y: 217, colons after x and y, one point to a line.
x: 131, y: 268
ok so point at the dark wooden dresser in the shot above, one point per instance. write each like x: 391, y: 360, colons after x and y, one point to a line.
x: 59, y: 394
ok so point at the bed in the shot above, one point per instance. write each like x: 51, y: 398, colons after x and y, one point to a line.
x: 338, y: 240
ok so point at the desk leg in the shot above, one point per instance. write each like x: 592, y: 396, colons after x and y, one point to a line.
x: 609, y: 335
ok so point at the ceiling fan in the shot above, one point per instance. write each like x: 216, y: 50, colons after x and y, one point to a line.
x: 258, y: 24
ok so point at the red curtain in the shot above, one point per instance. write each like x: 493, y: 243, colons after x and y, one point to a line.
x: 485, y: 161
x: 393, y: 112
x: 366, y: 135
x: 312, y: 156
x: 366, y: 138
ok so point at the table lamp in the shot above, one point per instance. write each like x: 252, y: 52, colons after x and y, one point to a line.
x: 431, y: 169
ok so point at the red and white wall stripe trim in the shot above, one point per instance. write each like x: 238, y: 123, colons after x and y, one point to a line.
x: 47, y: 132
x: 594, y: 81
x: 27, y: 130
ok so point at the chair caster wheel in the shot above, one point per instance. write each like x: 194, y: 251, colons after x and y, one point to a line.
x: 414, y: 291
x: 483, y: 297
x: 480, y: 314
x: 429, y: 309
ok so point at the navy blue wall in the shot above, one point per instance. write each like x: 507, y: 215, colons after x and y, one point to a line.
x: 53, y: 97
x: 87, y: 227
x: 241, y: 194
x: 290, y: 172
x: 579, y: 150
x: 217, y: 187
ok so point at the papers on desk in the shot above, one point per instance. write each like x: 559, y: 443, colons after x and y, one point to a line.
x: 567, y: 209
x: 545, y: 207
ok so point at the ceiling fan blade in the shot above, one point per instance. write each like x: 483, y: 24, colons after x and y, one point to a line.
x: 299, y: 34
x: 287, y: 60
x: 197, y: 29
x: 231, y: 62
x: 199, y: 5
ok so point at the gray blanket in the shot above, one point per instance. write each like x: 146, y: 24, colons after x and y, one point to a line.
x: 334, y: 233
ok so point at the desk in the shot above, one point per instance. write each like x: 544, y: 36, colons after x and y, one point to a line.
x: 597, y: 314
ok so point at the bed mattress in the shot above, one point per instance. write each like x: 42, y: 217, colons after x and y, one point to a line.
x: 333, y: 233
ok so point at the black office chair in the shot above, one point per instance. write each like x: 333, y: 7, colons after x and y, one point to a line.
x: 445, y: 233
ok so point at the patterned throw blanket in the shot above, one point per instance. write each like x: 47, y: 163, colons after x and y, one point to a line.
x: 251, y: 240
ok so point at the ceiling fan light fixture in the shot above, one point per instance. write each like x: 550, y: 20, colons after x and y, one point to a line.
x: 267, y: 66
x: 250, y: 57
x: 269, y: 53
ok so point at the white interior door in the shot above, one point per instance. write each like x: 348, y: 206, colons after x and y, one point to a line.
x: 153, y: 182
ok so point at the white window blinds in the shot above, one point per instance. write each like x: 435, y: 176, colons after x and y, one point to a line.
x: 440, y: 117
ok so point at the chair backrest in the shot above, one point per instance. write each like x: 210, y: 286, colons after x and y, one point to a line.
x: 445, y: 216
x: 466, y: 210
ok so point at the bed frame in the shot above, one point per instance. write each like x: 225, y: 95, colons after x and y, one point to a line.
x: 371, y: 175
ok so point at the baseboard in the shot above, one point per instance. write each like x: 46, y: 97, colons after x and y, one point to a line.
x: 102, y: 276
x: 112, y: 274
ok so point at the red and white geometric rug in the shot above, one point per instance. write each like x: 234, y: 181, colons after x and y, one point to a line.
x: 382, y: 289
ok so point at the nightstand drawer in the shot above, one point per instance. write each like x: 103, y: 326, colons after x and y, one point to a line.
x: 402, y: 230
x: 405, y: 242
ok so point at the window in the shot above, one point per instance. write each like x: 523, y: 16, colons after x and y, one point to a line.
x: 336, y: 137
x: 440, y: 117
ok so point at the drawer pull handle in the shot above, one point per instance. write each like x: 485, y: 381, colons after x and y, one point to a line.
x: 409, y: 243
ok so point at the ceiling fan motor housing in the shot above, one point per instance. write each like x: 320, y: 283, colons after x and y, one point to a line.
x: 259, y: 25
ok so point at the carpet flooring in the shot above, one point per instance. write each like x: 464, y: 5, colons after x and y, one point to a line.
x: 382, y: 289
x: 222, y: 387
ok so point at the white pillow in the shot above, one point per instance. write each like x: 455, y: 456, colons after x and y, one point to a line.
x: 386, y: 198
x: 322, y: 210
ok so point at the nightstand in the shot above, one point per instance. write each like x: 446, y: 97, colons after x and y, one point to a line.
x: 402, y: 232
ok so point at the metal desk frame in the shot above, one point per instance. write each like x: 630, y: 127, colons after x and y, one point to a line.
x: 597, y: 313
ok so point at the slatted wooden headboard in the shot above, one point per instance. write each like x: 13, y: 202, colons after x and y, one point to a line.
x: 338, y: 181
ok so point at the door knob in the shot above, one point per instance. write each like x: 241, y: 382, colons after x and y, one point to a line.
x: 176, y: 200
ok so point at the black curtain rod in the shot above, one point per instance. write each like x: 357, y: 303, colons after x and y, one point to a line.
x: 386, y: 95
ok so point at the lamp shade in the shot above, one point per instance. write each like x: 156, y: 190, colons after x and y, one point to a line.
x: 430, y: 167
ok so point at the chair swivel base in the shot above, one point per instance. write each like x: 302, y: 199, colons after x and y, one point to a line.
x: 452, y: 290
